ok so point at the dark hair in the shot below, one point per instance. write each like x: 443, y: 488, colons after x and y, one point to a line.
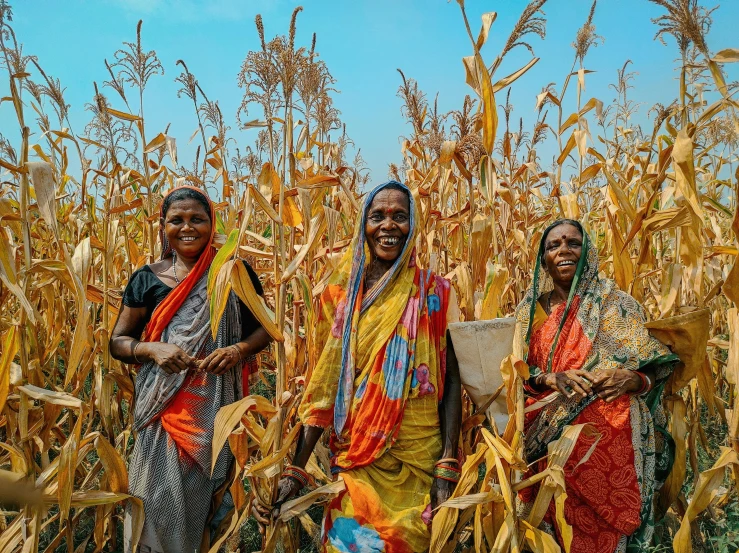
x: 185, y: 194
x: 555, y: 224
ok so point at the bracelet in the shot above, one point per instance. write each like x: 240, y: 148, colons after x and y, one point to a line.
x: 447, y: 460
x: 646, y: 383
x: 238, y: 351
x: 649, y: 383
x: 134, y: 353
x: 296, y: 473
x: 448, y: 473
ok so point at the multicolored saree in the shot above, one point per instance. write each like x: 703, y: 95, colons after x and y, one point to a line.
x: 610, y: 495
x: 377, y: 385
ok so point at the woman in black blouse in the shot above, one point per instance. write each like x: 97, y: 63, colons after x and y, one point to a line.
x: 185, y: 375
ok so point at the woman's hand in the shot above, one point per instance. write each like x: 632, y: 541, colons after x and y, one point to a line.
x: 287, y: 488
x: 569, y: 383
x: 220, y: 361
x: 611, y: 384
x: 441, y: 491
x: 171, y: 358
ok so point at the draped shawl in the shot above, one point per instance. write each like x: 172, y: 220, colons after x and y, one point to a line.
x: 378, y: 343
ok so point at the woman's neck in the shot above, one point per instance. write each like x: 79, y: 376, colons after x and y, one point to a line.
x: 187, y: 262
x: 375, y: 270
x: 560, y: 293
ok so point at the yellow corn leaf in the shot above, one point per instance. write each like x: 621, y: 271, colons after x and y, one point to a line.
x: 319, y: 181
x: 729, y: 55
x: 115, y: 467
x: 318, y: 226
x: 672, y: 278
x: 229, y: 416
x: 11, y: 343
x: 504, y: 536
x: 122, y: 115
x: 505, y: 81
x: 264, y: 204
x: 295, y: 507
x: 567, y: 149
x: 731, y: 286
x: 219, y: 285
x: 264, y: 468
x: 732, y: 363
x: 538, y: 540
x: 157, y: 142
x: 571, y: 120
x: 619, y: 197
x: 43, y: 184
x: 678, y: 430
x: 705, y: 491
x: 495, y: 279
x: 62, y: 399
x: 487, y: 21
x: 291, y: 212
x: 489, y: 108
x: 570, y: 207
x: 244, y: 289
x: 9, y: 278
x: 623, y: 268
x: 667, y: 219
x: 503, y: 449
x: 67, y: 470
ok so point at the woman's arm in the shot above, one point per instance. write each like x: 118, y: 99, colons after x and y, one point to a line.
x: 450, y: 410
x: 287, y: 487
x: 450, y: 417
x: 126, y: 346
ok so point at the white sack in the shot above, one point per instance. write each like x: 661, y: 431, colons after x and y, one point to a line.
x: 480, y: 347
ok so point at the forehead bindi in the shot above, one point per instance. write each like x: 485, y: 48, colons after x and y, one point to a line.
x: 563, y: 232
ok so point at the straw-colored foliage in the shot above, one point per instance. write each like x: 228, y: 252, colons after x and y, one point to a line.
x: 79, y: 213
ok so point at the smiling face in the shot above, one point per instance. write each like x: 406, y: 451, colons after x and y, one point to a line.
x: 388, y: 224
x: 562, y: 250
x: 187, y: 226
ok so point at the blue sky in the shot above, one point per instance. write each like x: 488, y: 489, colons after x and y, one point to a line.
x: 363, y: 42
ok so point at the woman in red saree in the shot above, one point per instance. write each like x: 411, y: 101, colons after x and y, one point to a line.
x: 184, y: 377
x: 593, y: 361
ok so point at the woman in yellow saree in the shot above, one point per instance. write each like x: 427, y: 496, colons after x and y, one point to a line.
x: 386, y: 384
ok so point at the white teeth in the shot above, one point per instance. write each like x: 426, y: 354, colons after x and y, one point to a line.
x: 389, y: 241
x: 188, y: 239
x: 563, y: 263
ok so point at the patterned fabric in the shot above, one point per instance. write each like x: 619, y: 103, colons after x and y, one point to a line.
x: 609, y: 497
x: 377, y: 385
x: 174, y: 414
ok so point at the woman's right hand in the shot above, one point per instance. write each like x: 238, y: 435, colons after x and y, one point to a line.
x: 569, y: 383
x: 171, y: 358
x: 287, y: 488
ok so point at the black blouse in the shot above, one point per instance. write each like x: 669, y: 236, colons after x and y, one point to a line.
x: 144, y: 289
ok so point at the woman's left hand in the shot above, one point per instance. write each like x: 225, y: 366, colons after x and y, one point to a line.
x: 220, y: 361
x: 611, y: 384
x: 441, y: 491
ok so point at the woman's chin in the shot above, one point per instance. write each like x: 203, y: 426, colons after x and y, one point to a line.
x: 189, y: 250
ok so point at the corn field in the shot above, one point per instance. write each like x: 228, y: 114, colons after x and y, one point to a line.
x: 79, y: 212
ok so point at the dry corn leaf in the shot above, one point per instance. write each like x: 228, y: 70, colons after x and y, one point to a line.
x: 705, y: 491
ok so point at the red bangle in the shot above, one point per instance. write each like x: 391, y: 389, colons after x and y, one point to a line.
x: 644, y: 383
